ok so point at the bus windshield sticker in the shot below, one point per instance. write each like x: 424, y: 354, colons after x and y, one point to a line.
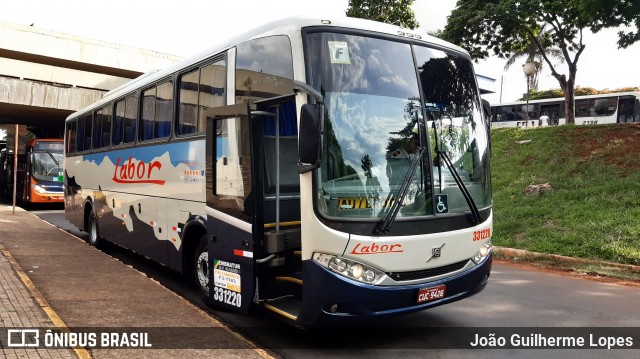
x: 339, y: 51
x: 442, y: 203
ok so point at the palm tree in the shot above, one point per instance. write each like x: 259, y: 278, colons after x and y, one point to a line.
x: 530, y: 51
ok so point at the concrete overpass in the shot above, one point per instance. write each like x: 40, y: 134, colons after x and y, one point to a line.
x: 46, y: 75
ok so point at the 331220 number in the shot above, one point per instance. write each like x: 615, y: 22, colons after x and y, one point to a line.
x: 227, y: 296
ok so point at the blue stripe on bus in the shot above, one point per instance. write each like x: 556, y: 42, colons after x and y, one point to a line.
x: 179, y: 152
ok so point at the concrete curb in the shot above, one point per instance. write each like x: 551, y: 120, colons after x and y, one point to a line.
x: 522, y: 253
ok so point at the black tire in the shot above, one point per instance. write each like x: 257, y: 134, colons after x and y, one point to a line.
x: 201, y: 268
x: 94, y: 230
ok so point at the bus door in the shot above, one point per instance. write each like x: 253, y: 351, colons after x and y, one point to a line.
x: 231, y: 215
x: 278, y: 254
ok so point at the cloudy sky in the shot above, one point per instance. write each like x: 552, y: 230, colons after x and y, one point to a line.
x: 169, y: 27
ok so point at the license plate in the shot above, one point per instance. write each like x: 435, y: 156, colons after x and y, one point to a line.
x: 429, y: 294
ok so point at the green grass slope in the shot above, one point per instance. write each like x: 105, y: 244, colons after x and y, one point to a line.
x: 592, y: 208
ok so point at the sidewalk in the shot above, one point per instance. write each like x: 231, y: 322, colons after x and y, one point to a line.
x: 50, y: 279
x: 19, y: 310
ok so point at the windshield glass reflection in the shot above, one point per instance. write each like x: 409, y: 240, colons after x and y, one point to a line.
x: 47, y: 166
x: 452, y: 107
x: 374, y: 125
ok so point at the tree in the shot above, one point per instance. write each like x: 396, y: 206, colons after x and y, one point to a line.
x: 503, y: 26
x: 396, y: 12
x: 530, y: 52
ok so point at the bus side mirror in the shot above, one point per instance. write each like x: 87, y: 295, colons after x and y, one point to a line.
x: 310, y: 134
x: 486, y: 107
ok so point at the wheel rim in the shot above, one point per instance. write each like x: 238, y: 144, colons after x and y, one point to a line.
x: 202, y: 269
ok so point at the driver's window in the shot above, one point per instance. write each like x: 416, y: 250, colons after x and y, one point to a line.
x: 264, y: 69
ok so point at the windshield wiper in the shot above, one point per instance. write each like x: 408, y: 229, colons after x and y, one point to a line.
x: 441, y: 155
x: 53, y: 158
x: 397, y: 202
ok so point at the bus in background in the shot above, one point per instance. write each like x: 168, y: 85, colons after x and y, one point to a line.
x: 599, y: 109
x: 39, y: 175
x: 326, y: 171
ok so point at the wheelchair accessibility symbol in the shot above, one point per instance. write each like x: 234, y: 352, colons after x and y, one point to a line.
x: 442, y: 204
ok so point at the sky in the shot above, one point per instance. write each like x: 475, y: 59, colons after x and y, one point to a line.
x: 169, y: 27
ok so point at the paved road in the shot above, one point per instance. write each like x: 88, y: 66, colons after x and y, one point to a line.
x: 514, y: 298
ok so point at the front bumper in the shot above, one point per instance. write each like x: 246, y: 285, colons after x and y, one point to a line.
x: 336, y: 300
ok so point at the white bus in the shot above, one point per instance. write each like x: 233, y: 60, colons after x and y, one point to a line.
x: 324, y: 170
x: 619, y: 107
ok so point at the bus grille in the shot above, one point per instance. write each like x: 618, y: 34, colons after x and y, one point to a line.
x: 427, y: 273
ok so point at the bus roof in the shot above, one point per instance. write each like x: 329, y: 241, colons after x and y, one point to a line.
x: 561, y: 99
x: 287, y: 26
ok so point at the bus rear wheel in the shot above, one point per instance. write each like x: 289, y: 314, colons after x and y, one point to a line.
x: 94, y: 231
x: 201, y: 268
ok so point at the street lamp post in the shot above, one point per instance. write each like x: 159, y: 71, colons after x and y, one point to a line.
x: 529, y: 69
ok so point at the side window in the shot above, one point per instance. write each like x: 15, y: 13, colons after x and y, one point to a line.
x: 106, y: 126
x: 232, y: 156
x: 71, y: 138
x: 212, y: 90
x: 188, y: 110
x: 80, y: 135
x: 164, y: 112
x: 582, y: 108
x: 124, y: 121
x: 157, y: 103
x: 85, y: 126
x: 102, y: 128
x: 118, y: 123
x: 200, y: 89
x: 97, y: 129
x: 264, y: 69
x: 130, y: 121
x: 604, y: 106
x: 88, y: 127
x: 148, y: 114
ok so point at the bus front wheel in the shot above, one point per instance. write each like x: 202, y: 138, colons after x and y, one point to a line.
x: 201, y: 268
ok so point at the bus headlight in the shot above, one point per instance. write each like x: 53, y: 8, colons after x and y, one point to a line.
x: 39, y: 189
x: 482, y: 253
x: 349, y: 268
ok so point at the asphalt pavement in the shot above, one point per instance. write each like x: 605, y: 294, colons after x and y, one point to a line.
x: 61, y: 298
x: 53, y: 280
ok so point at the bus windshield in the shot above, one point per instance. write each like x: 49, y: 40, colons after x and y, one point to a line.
x: 377, y: 123
x: 47, y: 166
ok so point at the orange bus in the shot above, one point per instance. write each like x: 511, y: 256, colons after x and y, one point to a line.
x: 39, y: 174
